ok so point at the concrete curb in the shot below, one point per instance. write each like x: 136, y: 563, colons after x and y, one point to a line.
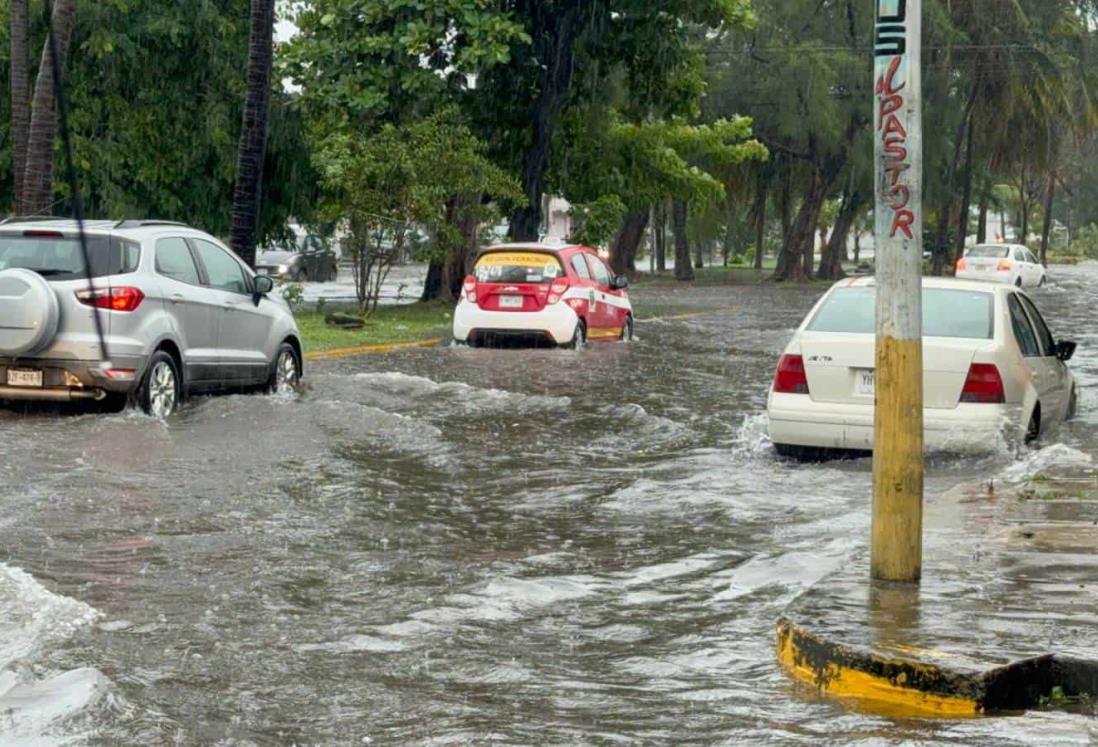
x: 910, y: 687
x: 1004, y: 619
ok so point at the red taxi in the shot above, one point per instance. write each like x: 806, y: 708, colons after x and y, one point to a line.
x: 560, y: 295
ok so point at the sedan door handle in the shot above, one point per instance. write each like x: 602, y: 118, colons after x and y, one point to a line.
x: 177, y: 298
x: 230, y: 306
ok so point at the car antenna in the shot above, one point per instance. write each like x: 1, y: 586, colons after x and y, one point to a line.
x: 70, y: 168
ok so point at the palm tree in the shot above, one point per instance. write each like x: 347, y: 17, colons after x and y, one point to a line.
x: 37, y: 192
x: 20, y: 94
x: 253, y: 134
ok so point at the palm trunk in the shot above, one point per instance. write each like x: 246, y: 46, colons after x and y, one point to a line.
x: 1046, y: 233
x: 981, y: 226
x: 37, y: 197
x: 683, y: 269
x: 253, y: 134
x: 20, y: 97
x: 966, y: 200
x: 555, y: 44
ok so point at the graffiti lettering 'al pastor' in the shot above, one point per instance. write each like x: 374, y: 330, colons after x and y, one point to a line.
x: 893, y: 136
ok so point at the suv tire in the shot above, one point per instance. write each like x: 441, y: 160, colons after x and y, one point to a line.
x: 160, y: 391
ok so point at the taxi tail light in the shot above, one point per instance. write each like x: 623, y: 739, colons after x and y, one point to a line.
x: 470, y: 288
x: 121, y: 298
x: 556, y: 290
x: 790, y: 378
x: 1006, y: 265
x: 984, y: 385
x: 962, y: 265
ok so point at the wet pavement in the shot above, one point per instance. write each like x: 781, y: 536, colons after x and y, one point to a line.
x: 456, y: 546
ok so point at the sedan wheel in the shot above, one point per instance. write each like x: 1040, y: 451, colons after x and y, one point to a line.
x: 160, y: 391
x: 627, y: 329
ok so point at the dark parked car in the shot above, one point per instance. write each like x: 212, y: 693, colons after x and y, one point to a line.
x: 308, y: 259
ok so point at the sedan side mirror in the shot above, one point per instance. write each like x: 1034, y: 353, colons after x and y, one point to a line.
x: 619, y: 282
x: 1065, y: 350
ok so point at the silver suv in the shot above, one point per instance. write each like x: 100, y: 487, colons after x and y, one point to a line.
x: 179, y: 312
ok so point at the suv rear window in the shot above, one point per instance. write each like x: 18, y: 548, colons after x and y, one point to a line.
x: 59, y: 257
x: 518, y: 267
x: 946, y: 313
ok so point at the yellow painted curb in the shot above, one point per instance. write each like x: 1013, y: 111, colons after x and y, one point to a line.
x: 897, y: 688
x: 691, y: 315
x: 368, y: 349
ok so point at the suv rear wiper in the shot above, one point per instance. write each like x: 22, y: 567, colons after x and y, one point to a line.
x: 49, y: 273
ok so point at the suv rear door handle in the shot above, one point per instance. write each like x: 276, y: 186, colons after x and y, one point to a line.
x: 230, y: 306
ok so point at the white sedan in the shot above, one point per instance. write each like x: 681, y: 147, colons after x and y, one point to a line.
x: 1012, y: 264
x: 991, y: 367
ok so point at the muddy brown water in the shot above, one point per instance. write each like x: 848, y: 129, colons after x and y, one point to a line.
x: 455, y: 546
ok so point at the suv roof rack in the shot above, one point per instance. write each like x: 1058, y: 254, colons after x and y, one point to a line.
x: 143, y: 223
x: 28, y: 219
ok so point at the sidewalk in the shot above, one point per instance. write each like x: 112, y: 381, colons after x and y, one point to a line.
x: 1006, y: 617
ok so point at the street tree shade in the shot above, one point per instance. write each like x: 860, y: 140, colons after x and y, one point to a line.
x: 253, y: 134
x: 36, y: 196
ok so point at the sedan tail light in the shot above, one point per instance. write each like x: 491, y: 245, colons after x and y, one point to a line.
x: 470, y: 288
x: 962, y: 265
x: 122, y: 298
x: 556, y: 290
x: 984, y: 385
x: 790, y: 378
x: 1006, y: 265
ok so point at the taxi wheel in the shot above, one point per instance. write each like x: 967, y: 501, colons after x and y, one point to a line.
x: 627, y: 329
x: 579, y: 337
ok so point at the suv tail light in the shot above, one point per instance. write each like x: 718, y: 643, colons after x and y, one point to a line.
x: 790, y: 377
x: 470, y: 288
x: 122, y: 298
x: 557, y: 289
x: 962, y: 264
x: 1006, y: 265
x: 984, y: 385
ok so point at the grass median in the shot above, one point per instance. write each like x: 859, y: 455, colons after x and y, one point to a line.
x: 389, y: 324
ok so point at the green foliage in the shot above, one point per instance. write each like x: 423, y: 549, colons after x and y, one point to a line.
x: 596, y: 222
x: 294, y: 295
x: 359, y: 62
x: 1084, y: 243
x: 155, y: 98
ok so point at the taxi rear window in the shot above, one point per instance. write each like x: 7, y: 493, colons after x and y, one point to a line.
x: 518, y: 267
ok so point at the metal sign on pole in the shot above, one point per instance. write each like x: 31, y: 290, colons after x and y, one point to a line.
x: 896, y: 553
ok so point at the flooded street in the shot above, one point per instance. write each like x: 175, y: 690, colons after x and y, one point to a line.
x: 457, y: 546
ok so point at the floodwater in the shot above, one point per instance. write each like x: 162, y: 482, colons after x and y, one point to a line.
x: 458, y: 546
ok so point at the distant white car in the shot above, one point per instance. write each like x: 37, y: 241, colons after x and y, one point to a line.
x: 1012, y: 264
x: 991, y: 369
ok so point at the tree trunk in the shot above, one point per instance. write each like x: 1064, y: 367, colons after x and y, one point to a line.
x: 857, y: 247
x: 760, y: 227
x: 941, y: 238
x: 253, y: 133
x: 555, y: 44
x: 20, y: 97
x: 981, y: 226
x: 432, y: 286
x: 785, y: 200
x: 683, y: 269
x: 37, y: 198
x: 795, y: 260
x: 623, y: 252
x: 966, y: 200
x: 660, y: 231
x: 831, y: 267
x: 1046, y: 233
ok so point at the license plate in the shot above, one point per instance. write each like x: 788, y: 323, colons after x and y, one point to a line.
x: 510, y: 302
x: 864, y: 383
x: 24, y: 378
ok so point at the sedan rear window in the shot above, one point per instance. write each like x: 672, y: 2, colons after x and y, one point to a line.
x: 60, y: 258
x: 518, y: 267
x: 989, y: 252
x: 946, y: 313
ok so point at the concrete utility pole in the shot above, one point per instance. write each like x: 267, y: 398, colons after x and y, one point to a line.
x: 897, y: 541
